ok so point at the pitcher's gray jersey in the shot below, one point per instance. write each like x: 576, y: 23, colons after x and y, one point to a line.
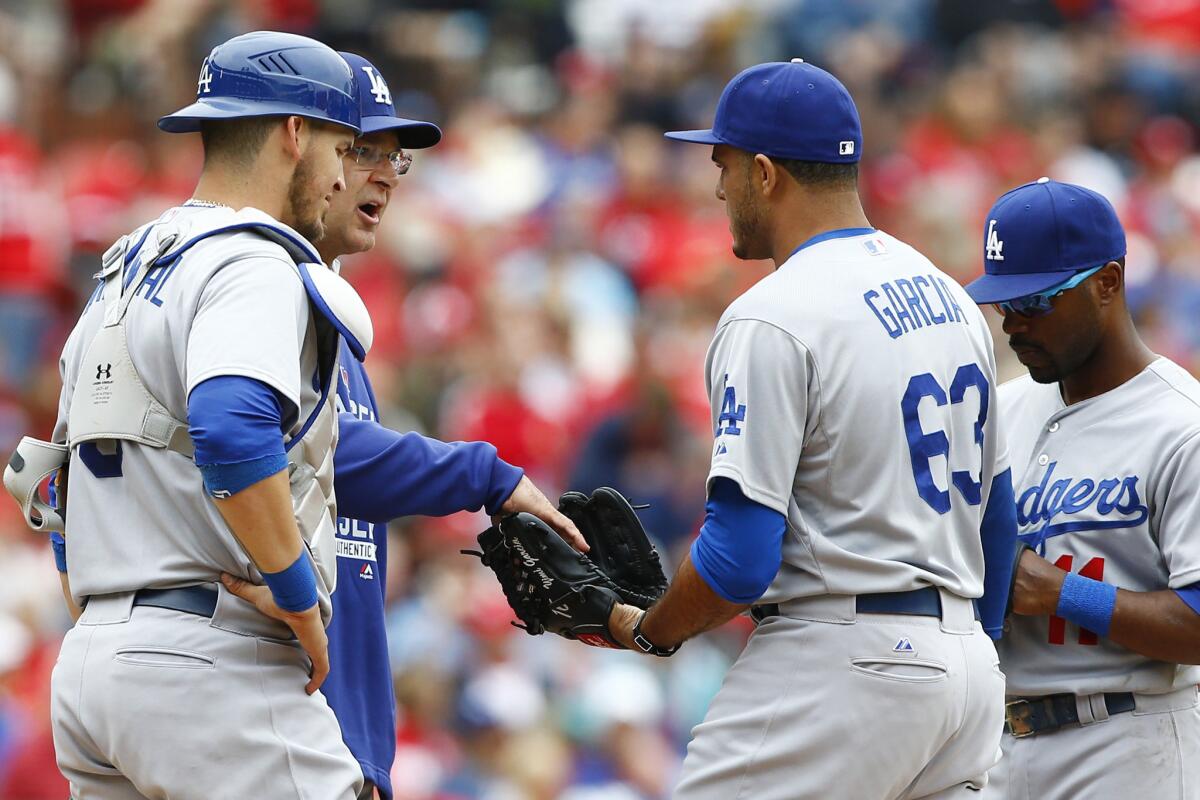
x: 233, y: 305
x: 1108, y: 488
x: 852, y: 391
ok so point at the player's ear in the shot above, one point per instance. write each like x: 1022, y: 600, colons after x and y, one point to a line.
x: 764, y: 174
x: 1110, y: 281
x: 296, y: 131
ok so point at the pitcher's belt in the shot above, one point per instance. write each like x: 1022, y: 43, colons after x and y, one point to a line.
x: 923, y: 602
x: 1026, y: 716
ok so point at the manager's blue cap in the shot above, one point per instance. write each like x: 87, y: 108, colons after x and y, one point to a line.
x: 1040, y: 234
x: 787, y: 110
x: 378, y: 113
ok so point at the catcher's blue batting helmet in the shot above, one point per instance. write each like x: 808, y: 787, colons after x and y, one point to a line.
x: 266, y: 74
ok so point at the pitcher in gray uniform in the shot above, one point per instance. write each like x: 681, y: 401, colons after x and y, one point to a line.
x: 859, y: 497
x: 1105, y: 443
x: 198, y: 416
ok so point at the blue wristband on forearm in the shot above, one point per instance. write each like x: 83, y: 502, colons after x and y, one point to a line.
x: 59, y: 545
x: 1087, y: 603
x: 295, y: 588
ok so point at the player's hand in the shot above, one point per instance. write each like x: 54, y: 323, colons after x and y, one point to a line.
x: 307, y: 625
x: 528, y: 498
x: 621, y: 621
x: 1037, y: 586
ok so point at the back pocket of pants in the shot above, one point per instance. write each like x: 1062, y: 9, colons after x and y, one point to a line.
x: 907, y: 670
x: 147, y: 656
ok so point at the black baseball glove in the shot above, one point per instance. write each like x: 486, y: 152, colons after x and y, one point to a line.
x: 550, y: 585
x: 618, y: 544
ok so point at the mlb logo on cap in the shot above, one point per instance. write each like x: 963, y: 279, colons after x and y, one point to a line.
x: 789, y: 110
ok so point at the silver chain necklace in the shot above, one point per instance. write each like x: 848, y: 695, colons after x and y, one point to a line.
x: 195, y: 202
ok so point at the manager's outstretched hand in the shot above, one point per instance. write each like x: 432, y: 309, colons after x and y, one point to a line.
x: 528, y: 497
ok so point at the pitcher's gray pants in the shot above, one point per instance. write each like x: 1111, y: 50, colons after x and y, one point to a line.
x: 154, y: 703
x: 827, y: 704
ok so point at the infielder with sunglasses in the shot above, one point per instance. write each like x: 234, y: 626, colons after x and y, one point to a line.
x: 1105, y: 443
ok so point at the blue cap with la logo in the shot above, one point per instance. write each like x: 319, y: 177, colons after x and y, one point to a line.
x: 1040, y: 234
x: 789, y: 110
x: 378, y: 113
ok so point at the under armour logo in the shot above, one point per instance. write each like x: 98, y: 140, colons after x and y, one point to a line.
x: 203, y: 86
x: 995, y: 247
x: 378, y: 88
x: 104, y: 371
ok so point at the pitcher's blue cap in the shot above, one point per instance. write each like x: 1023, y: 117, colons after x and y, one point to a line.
x: 1040, y: 234
x: 378, y: 113
x: 785, y: 109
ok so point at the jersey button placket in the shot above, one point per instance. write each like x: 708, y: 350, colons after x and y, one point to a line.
x: 1043, y: 460
x: 1053, y: 427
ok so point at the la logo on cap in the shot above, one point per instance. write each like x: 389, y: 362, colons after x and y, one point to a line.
x: 995, y: 247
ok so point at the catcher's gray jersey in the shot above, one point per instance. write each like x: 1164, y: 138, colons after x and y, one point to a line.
x: 1108, y: 488
x: 851, y: 391
x: 139, y: 516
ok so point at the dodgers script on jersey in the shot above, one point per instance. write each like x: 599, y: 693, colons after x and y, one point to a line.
x: 859, y: 345
x: 1108, y: 488
x: 140, y: 515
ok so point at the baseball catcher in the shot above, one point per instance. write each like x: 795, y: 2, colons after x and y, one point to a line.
x: 553, y: 587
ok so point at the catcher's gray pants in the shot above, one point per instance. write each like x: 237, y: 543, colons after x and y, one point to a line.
x: 1150, y: 753
x: 154, y: 703
x: 827, y: 704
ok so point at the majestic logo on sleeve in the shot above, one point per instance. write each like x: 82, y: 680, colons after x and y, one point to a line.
x: 1054, y: 507
x: 995, y: 247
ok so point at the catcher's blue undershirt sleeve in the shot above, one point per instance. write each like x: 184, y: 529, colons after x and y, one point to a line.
x: 380, y: 474
x: 740, y: 546
x: 1190, y: 595
x: 998, y: 533
x: 235, y: 423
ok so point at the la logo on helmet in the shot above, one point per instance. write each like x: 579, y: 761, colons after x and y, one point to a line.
x: 378, y: 88
x: 995, y: 247
x: 203, y: 86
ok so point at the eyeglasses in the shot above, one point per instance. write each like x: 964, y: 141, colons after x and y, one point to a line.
x: 1040, y: 304
x: 370, y: 157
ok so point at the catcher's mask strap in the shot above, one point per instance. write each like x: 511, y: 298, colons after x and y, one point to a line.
x: 646, y: 646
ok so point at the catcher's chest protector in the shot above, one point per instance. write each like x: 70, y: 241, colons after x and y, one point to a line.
x: 117, y: 405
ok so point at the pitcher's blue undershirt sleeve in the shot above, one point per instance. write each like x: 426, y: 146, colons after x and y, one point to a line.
x: 998, y: 534
x: 740, y: 546
x: 380, y: 474
x: 1191, y: 595
x: 236, y: 426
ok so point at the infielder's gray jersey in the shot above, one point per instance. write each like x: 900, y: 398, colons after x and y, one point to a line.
x: 851, y: 391
x: 1108, y: 488
x: 139, y: 516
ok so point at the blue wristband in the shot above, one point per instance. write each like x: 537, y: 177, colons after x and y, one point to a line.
x: 1087, y: 603
x: 59, y: 545
x: 295, y: 588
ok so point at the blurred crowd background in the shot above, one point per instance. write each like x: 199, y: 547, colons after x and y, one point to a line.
x: 548, y: 278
